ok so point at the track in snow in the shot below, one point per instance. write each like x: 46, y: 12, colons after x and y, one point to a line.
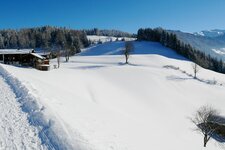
x: 15, y: 130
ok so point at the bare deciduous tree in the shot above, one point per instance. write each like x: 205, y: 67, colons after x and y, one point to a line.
x: 205, y: 119
x: 67, y: 54
x: 58, y: 58
x: 196, y: 69
x: 128, y: 49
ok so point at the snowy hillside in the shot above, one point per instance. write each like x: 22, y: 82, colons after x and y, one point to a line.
x: 96, y: 102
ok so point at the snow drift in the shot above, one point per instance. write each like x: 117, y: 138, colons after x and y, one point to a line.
x: 49, y: 131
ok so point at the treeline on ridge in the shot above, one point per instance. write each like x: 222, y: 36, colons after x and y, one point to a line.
x: 46, y: 37
x: 114, y: 33
x: 170, y: 40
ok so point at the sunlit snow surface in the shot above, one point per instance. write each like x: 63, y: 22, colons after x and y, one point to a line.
x: 102, y: 104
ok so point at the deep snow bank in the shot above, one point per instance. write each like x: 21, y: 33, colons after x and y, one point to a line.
x: 50, y: 132
x: 15, y: 130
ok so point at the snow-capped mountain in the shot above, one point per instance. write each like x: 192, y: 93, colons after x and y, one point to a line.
x: 211, y: 33
x: 210, y: 42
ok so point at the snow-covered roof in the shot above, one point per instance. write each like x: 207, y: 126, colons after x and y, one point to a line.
x: 43, y: 53
x: 15, y: 51
x: 20, y: 51
x: 37, y: 55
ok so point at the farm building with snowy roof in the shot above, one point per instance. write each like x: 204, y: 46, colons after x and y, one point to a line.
x: 24, y: 57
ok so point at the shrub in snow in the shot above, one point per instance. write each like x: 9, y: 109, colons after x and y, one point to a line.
x: 196, y: 69
x: 129, y: 47
x: 206, y: 120
x: 171, y: 67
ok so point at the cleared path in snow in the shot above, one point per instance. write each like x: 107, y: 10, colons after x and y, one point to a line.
x: 15, y: 130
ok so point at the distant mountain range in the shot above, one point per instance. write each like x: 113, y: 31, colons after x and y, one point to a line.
x: 210, y: 42
x: 211, y: 33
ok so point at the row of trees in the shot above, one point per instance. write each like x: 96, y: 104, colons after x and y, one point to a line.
x: 115, y: 33
x: 46, y: 37
x: 170, y: 40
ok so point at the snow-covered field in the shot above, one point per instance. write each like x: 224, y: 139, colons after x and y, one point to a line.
x: 96, y: 102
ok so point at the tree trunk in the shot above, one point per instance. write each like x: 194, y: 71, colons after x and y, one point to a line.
x: 205, y: 140
x: 126, y: 59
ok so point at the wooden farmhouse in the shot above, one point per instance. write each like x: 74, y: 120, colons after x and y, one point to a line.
x: 24, y: 57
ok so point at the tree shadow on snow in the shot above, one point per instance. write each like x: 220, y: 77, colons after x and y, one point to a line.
x: 177, y: 78
x: 129, y: 64
x: 97, y: 65
x: 88, y: 67
x: 188, y: 76
x: 93, y: 62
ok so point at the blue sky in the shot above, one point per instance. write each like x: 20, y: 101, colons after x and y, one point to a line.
x: 126, y: 15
